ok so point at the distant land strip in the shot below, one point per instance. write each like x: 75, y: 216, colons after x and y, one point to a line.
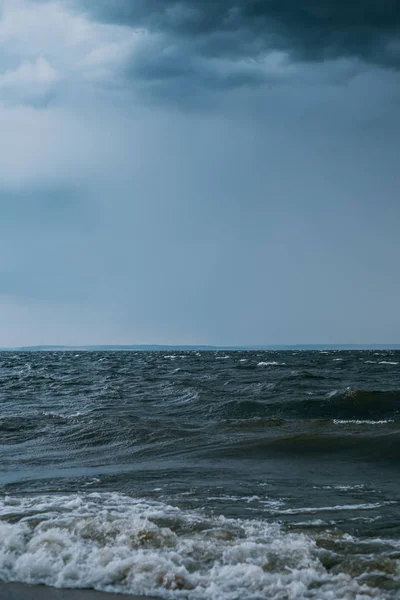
x: 188, y: 348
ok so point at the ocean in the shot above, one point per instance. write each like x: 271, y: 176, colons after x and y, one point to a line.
x: 237, y: 475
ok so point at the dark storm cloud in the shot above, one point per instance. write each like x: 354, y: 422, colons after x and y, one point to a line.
x: 308, y: 30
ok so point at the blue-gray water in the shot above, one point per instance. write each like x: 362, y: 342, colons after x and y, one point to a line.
x: 201, y: 475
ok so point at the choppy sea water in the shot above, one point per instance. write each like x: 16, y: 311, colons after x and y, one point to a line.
x: 212, y: 475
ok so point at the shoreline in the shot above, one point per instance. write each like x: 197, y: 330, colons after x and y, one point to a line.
x: 23, y: 591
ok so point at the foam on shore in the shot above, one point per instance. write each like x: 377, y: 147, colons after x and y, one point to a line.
x: 115, y: 543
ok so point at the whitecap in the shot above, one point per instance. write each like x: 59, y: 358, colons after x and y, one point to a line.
x: 361, y: 422
x: 346, y: 488
x: 336, y: 508
x: 272, y: 363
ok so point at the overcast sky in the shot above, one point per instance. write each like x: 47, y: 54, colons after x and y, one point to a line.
x: 201, y: 171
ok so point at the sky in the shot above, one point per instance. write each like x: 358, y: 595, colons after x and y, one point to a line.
x: 199, y: 172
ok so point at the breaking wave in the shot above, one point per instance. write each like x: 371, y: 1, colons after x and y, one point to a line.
x: 116, y: 543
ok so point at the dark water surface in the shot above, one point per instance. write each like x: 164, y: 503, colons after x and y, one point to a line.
x: 226, y: 475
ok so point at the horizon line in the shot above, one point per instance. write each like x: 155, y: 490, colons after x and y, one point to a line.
x: 204, y: 347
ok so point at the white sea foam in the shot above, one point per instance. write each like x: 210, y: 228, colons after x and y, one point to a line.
x: 336, y: 508
x: 115, y: 543
x: 346, y: 488
x: 314, y: 523
x: 272, y: 363
x: 263, y: 501
x: 361, y: 422
x: 91, y: 481
x: 388, y: 362
x: 357, y: 486
x: 54, y: 414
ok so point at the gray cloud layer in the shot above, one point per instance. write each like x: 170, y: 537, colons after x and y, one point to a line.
x: 308, y: 30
